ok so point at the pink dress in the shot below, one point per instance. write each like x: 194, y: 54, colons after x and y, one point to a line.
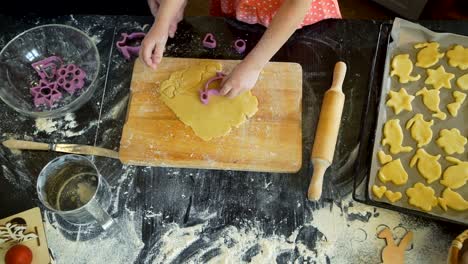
x: 263, y: 11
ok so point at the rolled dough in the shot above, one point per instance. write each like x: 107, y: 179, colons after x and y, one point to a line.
x: 462, y: 82
x: 393, y: 172
x: 431, y: 99
x: 383, y: 158
x: 459, y: 99
x: 181, y: 93
x: 378, y: 191
x: 422, y: 196
x: 455, y: 176
x: 451, y: 141
x: 400, y: 101
x: 427, y: 164
x: 452, y: 200
x: 458, y: 57
x: 420, y: 129
x: 393, y: 136
x: 428, y: 55
x: 402, y: 67
x: 439, y: 78
x: 393, y: 196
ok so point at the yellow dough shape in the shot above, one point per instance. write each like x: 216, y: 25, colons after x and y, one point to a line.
x: 451, y: 141
x: 458, y: 57
x: 431, y: 100
x: 462, y: 82
x: 378, y: 191
x: 383, y: 158
x: 420, y: 129
x: 439, y: 78
x: 452, y: 200
x: 400, y: 101
x: 459, y: 99
x: 402, y: 67
x: 181, y: 93
x: 393, y: 172
x: 429, y: 55
x: 393, y: 196
x: 393, y: 136
x: 455, y: 176
x: 427, y: 164
x: 422, y: 196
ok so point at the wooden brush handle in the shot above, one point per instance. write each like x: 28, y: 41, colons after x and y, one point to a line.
x: 22, y: 144
x: 327, y: 130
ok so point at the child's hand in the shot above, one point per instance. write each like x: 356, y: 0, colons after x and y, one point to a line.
x: 242, y: 78
x: 153, y: 45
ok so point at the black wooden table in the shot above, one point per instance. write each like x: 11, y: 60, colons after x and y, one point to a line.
x: 182, y: 215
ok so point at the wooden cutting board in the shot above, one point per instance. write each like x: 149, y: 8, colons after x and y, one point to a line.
x: 270, y: 141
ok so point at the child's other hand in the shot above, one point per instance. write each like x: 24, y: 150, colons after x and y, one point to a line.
x: 242, y: 78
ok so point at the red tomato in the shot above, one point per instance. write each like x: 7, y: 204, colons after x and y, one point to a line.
x: 18, y: 254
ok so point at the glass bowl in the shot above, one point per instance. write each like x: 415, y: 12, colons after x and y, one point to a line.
x: 17, y: 76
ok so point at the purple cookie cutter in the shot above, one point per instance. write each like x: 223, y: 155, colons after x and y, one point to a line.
x: 47, y: 67
x: 239, y: 45
x: 46, y: 93
x: 126, y: 48
x: 209, y: 41
x: 71, y: 78
x: 206, y: 93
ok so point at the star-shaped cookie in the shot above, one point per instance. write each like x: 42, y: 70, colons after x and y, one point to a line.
x: 400, y: 101
x: 439, y: 78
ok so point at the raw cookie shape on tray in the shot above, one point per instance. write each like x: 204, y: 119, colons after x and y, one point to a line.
x: 431, y: 99
x: 420, y: 129
x: 455, y: 106
x: 439, y: 78
x: 383, y: 158
x: 453, y: 200
x: 400, y: 101
x: 180, y: 92
x: 455, y: 176
x: 429, y: 54
x: 458, y: 57
x: 378, y: 191
x: 422, y: 196
x: 393, y: 196
x: 451, y: 141
x: 462, y: 82
x: 402, y: 66
x: 427, y: 165
x: 393, y: 172
x: 393, y: 136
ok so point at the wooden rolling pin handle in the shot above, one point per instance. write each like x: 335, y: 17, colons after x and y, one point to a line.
x: 22, y: 144
x: 327, y: 131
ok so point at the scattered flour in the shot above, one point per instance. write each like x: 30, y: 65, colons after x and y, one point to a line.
x: 66, y: 126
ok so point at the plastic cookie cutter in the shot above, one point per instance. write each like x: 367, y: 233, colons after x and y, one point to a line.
x: 47, y: 67
x: 130, y: 44
x: 71, y: 78
x: 239, y: 45
x: 206, y: 93
x: 46, y: 93
x: 209, y: 41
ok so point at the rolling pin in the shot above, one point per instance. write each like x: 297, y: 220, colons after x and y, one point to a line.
x: 327, y: 131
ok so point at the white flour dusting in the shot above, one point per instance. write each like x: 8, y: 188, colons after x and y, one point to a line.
x: 66, y: 126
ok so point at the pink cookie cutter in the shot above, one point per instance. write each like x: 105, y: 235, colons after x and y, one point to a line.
x: 71, y: 78
x: 240, y: 45
x: 46, y: 93
x: 209, y: 41
x: 206, y: 93
x: 126, y: 48
x: 47, y: 67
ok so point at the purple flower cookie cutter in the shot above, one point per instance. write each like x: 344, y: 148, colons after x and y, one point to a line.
x: 126, y: 48
x: 71, y: 78
x: 206, y: 93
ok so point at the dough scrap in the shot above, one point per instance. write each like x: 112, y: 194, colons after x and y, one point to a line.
x: 400, y: 101
x: 427, y: 164
x: 393, y: 172
x: 402, y: 66
x: 420, y: 129
x: 452, y: 200
x: 439, y: 78
x: 455, y: 176
x: 429, y: 55
x: 459, y: 99
x: 458, y: 57
x: 462, y: 82
x: 451, y: 141
x: 378, y: 191
x: 393, y: 196
x: 383, y: 158
x: 431, y: 100
x: 181, y: 93
x: 422, y: 196
x: 393, y: 136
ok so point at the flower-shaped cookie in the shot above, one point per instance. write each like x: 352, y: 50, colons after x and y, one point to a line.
x: 422, y: 197
x: 45, y: 93
x: 439, y: 78
x: 458, y: 57
x: 451, y: 141
x: 400, y: 101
